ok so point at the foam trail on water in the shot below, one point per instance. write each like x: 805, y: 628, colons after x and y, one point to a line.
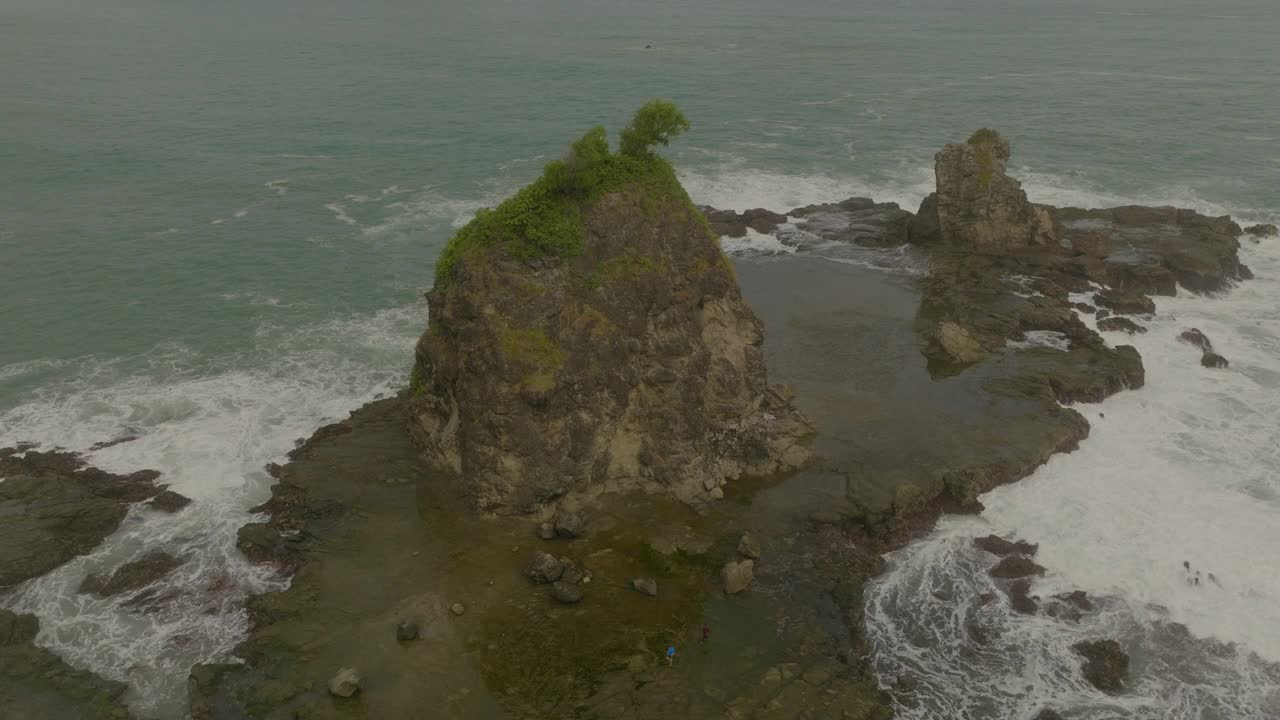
x: 1183, y: 470
x: 209, y: 432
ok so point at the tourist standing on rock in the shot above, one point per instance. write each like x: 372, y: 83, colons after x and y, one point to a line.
x: 671, y: 654
x: 706, y: 632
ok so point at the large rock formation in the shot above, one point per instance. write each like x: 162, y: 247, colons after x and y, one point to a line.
x: 633, y: 361
x: 977, y: 205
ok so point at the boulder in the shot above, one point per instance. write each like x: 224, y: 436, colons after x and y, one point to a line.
x: 957, y: 344
x: 1000, y: 546
x: 1085, y: 308
x: 547, y: 531
x: 1120, y: 324
x: 749, y: 547
x: 568, y: 524
x: 645, y: 585
x: 977, y: 205
x: 737, y: 576
x: 623, y: 356
x: 735, y: 224
x: 1212, y: 359
x: 407, y: 630
x: 1197, y: 338
x: 169, y: 501
x: 566, y: 592
x: 1105, y: 664
x: 543, y: 567
x: 1262, y: 230
x: 345, y: 683
x: 1015, y: 566
x: 132, y: 575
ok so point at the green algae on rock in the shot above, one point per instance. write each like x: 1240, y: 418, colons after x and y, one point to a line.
x: 589, y: 332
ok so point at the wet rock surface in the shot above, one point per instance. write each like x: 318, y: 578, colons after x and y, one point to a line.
x: 35, y: 683
x: 1106, y: 664
x: 1015, y: 566
x: 56, y: 507
x: 1000, y: 546
x: 1120, y: 324
x: 133, y: 575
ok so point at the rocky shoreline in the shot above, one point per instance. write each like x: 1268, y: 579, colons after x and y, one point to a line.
x: 641, y: 485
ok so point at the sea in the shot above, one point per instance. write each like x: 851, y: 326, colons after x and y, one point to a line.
x: 218, y: 220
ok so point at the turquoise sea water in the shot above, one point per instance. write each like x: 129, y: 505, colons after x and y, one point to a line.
x: 217, y: 219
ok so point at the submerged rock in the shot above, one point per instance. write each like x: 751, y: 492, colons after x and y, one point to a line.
x: 625, y: 356
x: 169, y: 501
x: 1106, y: 665
x: 737, y: 576
x: 1197, y: 338
x: 999, y: 546
x: 1212, y: 359
x: 132, y: 575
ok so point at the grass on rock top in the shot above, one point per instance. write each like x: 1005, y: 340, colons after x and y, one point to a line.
x: 545, y: 218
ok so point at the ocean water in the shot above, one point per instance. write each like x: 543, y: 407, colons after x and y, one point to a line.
x: 217, y: 221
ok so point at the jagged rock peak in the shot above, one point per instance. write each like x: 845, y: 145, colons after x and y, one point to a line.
x: 977, y: 205
x: 589, y: 334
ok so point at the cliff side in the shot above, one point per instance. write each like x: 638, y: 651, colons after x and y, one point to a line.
x: 590, y: 334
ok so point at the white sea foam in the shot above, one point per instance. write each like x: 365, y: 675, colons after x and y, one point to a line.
x: 1041, y: 338
x: 340, y: 213
x: 755, y: 243
x: 209, y: 435
x: 1183, y: 470
x: 279, y: 187
x: 733, y: 187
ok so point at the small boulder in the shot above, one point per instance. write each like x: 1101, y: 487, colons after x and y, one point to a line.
x: 566, y: 592
x: 1105, y: 664
x: 958, y: 343
x: 547, y: 531
x: 1197, y: 338
x: 543, y: 567
x: 1120, y: 323
x: 1000, y: 546
x: 1212, y: 359
x: 748, y: 547
x: 568, y: 524
x: 345, y: 683
x: 1262, y: 230
x: 737, y: 576
x: 648, y: 586
x: 1015, y: 566
x: 406, y: 631
x: 457, y: 608
x: 169, y: 501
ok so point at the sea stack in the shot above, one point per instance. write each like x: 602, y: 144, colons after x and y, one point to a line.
x: 977, y: 205
x: 589, y: 334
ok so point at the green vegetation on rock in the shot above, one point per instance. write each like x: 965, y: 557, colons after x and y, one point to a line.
x: 545, y: 218
x: 538, y: 354
x: 984, y: 141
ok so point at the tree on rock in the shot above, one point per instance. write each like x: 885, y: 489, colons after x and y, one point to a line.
x: 655, y: 123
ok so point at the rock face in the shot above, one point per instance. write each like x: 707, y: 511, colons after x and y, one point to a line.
x: 1105, y: 666
x: 977, y: 205
x: 635, y: 363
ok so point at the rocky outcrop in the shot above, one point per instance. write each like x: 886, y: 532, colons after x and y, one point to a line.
x: 1106, y: 664
x: 1015, y: 566
x: 1001, y: 547
x: 1208, y: 358
x: 1120, y: 324
x: 735, y: 224
x: 1262, y: 230
x: 633, y: 364
x: 858, y: 220
x: 977, y: 205
x: 55, y: 507
x: 35, y: 683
